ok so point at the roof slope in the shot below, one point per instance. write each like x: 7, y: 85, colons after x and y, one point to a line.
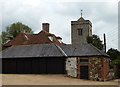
x: 82, y: 50
x: 52, y: 50
x: 37, y: 50
x: 40, y: 38
x: 43, y: 38
x: 20, y: 39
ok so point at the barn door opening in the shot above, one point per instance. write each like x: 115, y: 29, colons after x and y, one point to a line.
x: 84, y: 72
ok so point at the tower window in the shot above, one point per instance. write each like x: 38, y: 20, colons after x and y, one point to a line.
x: 80, y: 32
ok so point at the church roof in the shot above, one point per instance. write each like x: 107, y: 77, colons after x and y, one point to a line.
x: 81, y: 19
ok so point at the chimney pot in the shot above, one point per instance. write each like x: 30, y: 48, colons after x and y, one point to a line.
x: 45, y: 27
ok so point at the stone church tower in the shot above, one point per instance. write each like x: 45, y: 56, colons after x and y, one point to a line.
x: 80, y: 29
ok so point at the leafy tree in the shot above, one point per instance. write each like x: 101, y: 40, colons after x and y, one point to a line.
x: 115, y: 59
x: 116, y: 64
x: 95, y: 40
x: 113, y: 53
x: 0, y: 43
x: 4, y: 37
x: 13, y: 30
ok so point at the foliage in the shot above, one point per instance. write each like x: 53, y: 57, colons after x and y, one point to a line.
x: 115, y: 58
x: 95, y: 40
x: 4, y: 37
x: 116, y: 64
x: 0, y: 43
x: 116, y: 61
x: 113, y: 53
x: 12, y: 31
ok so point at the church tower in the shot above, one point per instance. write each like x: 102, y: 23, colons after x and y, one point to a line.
x: 80, y: 29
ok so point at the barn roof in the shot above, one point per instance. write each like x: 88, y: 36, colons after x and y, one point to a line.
x: 37, y: 50
x: 82, y: 50
x: 52, y: 50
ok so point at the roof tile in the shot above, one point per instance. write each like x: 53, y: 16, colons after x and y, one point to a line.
x: 40, y: 38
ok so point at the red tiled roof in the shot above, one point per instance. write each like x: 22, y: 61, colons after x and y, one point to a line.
x: 58, y: 37
x: 40, y: 38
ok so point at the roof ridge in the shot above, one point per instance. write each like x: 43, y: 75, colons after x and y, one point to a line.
x: 61, y: 50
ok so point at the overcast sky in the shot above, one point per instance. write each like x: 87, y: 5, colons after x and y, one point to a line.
x: 59, y: 13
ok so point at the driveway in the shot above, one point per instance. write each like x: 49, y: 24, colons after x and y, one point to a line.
x: 33, y: 79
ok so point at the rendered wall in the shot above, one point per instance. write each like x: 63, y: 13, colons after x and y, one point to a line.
x: 71, y: 66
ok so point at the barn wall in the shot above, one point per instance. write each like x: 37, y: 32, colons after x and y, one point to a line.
x: 105, y: 69
x: 81, y: 64
x: 52, y: 65
x: 98, y: 67
x: 71, y: 66
x: 95, y: 69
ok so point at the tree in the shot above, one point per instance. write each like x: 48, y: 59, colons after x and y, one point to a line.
x: 95, y: 40
x: 116, y: 63
x: 0, y: 43
x: 13, y: 30
x: 115, y: 60
x: 113, y: 53
x: 4, y: 37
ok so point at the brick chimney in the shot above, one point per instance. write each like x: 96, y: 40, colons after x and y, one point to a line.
x: 45, y: 27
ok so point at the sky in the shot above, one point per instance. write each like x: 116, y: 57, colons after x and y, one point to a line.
x: 60, y: 13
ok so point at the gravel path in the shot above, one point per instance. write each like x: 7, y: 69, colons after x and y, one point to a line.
x: 32, y: 79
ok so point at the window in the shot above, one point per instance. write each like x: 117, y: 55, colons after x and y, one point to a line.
x: 80, y: 32
x: 50, y: 37
x: 83, y: 60
x: 26, y: 37
x: 60, y: 40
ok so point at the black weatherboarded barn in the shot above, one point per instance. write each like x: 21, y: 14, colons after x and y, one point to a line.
x: 44, y: 58
x: 34, y: 59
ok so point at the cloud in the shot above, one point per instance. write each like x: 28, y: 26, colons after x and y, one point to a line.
x: 59, y: 14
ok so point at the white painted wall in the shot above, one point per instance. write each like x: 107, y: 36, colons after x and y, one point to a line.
x: 71, y: 66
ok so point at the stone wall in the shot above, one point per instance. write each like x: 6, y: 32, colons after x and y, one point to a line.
x: 71, y: 66
x: 86, y: 27
x: 95, y: 69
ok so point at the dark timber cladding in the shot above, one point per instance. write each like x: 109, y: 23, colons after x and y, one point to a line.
x: 33, y: 59
x: 34, y: 66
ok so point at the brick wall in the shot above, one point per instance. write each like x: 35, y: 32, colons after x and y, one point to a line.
x: 98, y: 68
